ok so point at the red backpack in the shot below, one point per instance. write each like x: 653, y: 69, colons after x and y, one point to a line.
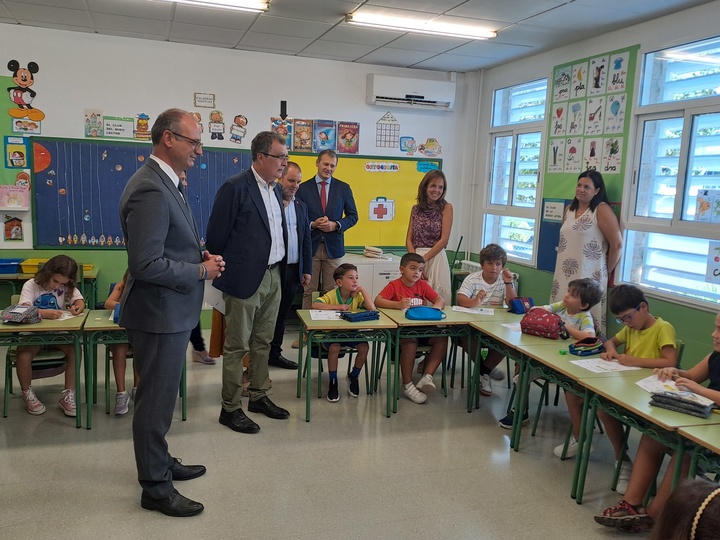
x: 538, y: 322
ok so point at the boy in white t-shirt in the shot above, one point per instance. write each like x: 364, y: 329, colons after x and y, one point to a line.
x: 493, y: 286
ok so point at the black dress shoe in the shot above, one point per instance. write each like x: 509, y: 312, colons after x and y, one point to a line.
x: 268, y: 408
x: 185, y: 472
x: 282, y: 362
x: 174, y: 506
x: 237, y: 421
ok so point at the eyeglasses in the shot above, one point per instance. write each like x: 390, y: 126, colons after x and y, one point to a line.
x: 197, y: 144
x: 281, y: 158
x: 627, y: 318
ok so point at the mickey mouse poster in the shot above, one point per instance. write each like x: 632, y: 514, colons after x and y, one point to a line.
x: 21, y: 94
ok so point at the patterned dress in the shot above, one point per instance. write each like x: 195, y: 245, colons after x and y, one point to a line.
x: 426, y: 231
x: 581, y: 253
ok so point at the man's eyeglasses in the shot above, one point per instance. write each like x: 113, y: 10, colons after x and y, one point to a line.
x: 197, y: 144
x: 281, y: 158
x: 627, y: 318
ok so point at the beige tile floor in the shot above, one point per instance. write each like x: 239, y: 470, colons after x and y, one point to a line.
x: 431, y: 471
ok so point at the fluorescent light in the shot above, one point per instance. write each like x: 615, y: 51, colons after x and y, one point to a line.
x: 434, y: 28
x: 252, y: 6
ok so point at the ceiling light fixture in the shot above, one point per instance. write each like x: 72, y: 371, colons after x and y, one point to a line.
x: 434, y: 28
x: 252, y: 6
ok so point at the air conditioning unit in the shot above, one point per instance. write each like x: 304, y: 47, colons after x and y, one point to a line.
x: 416, y: 93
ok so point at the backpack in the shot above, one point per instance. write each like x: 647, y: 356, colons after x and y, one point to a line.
x: 539, y: 322
x: 21, y: 314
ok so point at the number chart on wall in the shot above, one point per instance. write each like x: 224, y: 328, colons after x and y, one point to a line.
x: 77, y: 187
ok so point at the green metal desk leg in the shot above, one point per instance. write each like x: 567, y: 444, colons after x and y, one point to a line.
x: 679, y: 458
x: 78, y: 383
x: 585, y: 457
x: 300, y: 363
x: 308, y: 374
x: 581, y: 444
x: 520, y: 401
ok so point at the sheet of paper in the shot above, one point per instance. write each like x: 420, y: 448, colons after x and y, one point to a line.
x: 598, y: 365
x: 65, y: 316
x: 475, y: 310
x: 324, y: 315
x: 514, y: 326
x: 653, y: 384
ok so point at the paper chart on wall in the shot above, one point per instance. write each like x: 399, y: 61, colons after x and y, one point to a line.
x: 579, y: 81
x: 556, y: 155
x: 573, y: 155
x: 592, y: 153
x: 594, y: 116
x: 559, y: 119
x: 561, y: 84
x: 576, y: 119
x: 612, y: 152
x: 615, y: 113
x: 617, y: 72
x: 598, y: 75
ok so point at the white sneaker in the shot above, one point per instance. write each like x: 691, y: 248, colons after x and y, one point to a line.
x: 67, y: 402
x: 121, y: 403
x: 413, y: 394
x: 33, y: 404
x: 426, y: 384
x: 497, y: 374
x: 485, y: 386
x: 571, y: 449
x: 624, y: 478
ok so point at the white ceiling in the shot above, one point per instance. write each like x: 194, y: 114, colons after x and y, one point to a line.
x: 316, y: 28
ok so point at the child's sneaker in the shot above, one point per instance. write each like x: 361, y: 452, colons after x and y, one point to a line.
x: 507, y: 422
x: 333, y: 394
x: 203, y: 358
x: 571, y: 449
x: 497, y: 374
x: 624, y: 477
x: 67, y: 402
x: 121, y: 403
x: 413, y: 394
x: 33, y: 404
x: 485, y: 386
x: 426, y: 384
x: 353, y: 386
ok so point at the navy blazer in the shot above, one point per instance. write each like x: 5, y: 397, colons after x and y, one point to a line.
x: 304, y: 244
x: 340, y: 207
x: 239, y: 230
x: 163, y: 293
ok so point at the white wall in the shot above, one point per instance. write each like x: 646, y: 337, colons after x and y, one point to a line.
x: 126, y: 76
x: 686, y: 26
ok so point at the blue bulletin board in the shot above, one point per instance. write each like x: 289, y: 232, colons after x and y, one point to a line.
x: 77, y: 184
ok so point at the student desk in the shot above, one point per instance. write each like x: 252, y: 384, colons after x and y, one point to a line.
x: 100, y: 329
x: 703, y: 438
x: 49, y: 332
x: 340, y: 331
x: 621, y: 398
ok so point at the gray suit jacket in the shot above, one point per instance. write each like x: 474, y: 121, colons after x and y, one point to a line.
x: 163, y: 293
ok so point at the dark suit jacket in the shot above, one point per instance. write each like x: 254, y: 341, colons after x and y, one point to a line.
x: 163, y: 293
x: 304, y: 242
x: 340, y: 207
x: 239, y: 230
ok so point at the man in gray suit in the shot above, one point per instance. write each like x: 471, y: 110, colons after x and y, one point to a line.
x: 161, y: 302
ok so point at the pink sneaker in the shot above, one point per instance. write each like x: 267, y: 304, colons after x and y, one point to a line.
x: 33, y: 404
x: 203, y: 357
x: 67, y: 402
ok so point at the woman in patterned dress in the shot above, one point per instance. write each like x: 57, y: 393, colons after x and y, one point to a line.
x: 590, y: 241
x: 429, y: 231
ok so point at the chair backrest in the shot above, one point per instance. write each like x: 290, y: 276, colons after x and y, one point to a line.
x: 680, y: 348
x: 14, y: 299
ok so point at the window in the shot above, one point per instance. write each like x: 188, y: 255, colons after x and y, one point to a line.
x: 674, y: 200
x: 512, y: 198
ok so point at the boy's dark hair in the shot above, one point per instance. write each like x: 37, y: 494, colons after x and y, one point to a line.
x: 343, y: 269
x: 493, y: 252
x: 589, y: 291
x: 59, y: 264
x: 624, y: 297
x: 411, y: 257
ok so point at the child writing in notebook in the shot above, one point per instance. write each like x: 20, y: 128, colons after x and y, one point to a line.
x: 120, y: 353
x: 349, y: 295
x: 411, y: 290
x: 52, y: 291
x: 630, y: 515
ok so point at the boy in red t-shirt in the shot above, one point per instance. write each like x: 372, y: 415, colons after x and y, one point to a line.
x: 411, y: 290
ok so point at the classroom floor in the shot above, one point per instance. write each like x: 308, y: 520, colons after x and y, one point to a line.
x: 431, y: 471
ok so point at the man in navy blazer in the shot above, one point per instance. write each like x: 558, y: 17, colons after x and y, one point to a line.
x: 161, y: 302
x: 247, y: 227
x: 299, y: 258
x: 332, y: 211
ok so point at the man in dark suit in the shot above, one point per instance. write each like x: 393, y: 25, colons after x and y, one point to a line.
x: 161, y: 302
x: 299, y: 258
x: 247, y: 227
x: 332, y: 211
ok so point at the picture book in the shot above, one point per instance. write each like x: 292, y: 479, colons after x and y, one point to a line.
x: 324, y: 135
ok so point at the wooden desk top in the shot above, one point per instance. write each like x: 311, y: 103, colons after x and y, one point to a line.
x: 100, y: 319
x: 517, y: 340
x: 562, y: 363
x: 46, y: 325
x: 624, y: 392
x: 384, y: 322
x: 707, y: 436
x: 452, y: 317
